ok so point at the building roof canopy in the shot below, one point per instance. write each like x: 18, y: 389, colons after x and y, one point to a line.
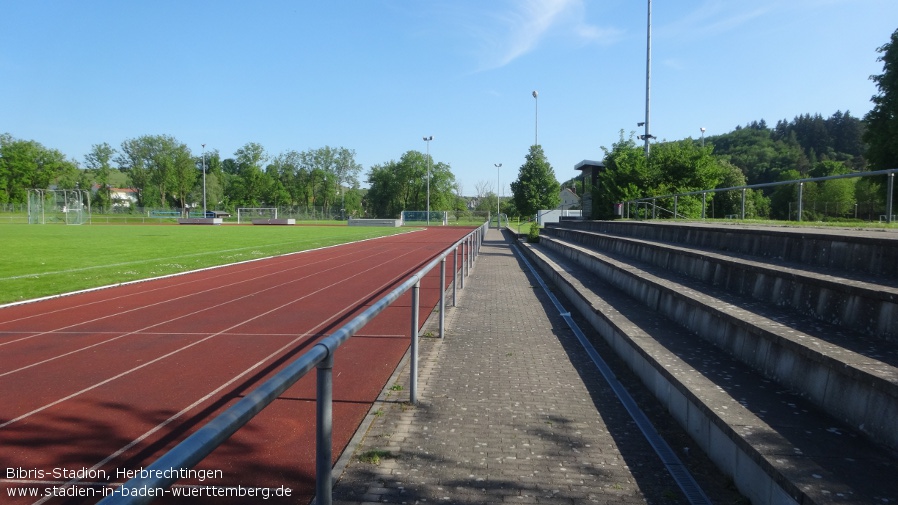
x: 597, y: 166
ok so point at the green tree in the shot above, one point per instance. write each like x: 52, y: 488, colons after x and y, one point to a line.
x: 387, y: 195
x: 184, y: 174
x: 402, y: 185
x: 882, y: 120
x: 324, y: 174
x: 288, y: 169
x: 761, y: 154
x: 536, y: 186
x: 784, y: 200
x: 870, y: 195
x: 26, y: 164
x: 625, y: 177
x: 834, y: 197
x: 674, y: 167
x: 99, y: 162
x: 683, y: 167
x: 730, y: 202
x: 157, y: 166
x: 214, y: 180
x: 250, y: 184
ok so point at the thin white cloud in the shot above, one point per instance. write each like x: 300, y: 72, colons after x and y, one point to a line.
x: 520, y: 29
x: 713, y: 18
x: 528, y: 24
x: 673, y: 63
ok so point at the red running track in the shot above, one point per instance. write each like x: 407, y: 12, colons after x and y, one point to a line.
x: 110, y: 379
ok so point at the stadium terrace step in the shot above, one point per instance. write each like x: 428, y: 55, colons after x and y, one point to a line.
x: 860, y: 302
x: 864, y: 251
x: 793, y: 408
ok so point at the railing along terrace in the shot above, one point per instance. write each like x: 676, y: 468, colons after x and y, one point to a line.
x: 890, y: 191
x: 197, y: 446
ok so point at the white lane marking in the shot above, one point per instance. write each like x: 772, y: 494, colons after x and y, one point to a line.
x: 143, y: 365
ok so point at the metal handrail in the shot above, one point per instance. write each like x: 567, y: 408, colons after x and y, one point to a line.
x: 200, y: 444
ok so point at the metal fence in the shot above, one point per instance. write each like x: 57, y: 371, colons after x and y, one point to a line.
x: 18, y: 213
x: 200, y: 444
x: 648, y: 207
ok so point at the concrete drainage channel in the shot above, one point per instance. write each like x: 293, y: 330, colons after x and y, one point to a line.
x: 691, y: 490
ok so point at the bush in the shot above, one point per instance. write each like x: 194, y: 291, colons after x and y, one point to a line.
x: 533, y: 234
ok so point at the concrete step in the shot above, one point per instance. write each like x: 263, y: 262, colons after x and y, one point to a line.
x: 858, y: 302
x: 843, y: 372
x: 870, y: 252
x: 775, y: 444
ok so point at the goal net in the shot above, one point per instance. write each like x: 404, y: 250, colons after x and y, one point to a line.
x: 247, y: 214
x: 59, y: 206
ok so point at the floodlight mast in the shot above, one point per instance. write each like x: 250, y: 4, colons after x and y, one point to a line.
x: 535, y: 118
x: 204, y: 180
x: 648, y: 77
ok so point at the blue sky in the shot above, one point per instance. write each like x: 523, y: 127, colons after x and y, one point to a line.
x: 378, y: 75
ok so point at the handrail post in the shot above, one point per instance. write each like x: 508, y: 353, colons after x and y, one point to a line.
x: 461, y: 270
x: 442, y: 296
x: 324, y: 431
x: 476, y: 241
x: 455, y: 278
x: 480, y: 236
x: 468, y: 251
x: 891, y: 193
x: 472, y: 244
x: 413, y: 374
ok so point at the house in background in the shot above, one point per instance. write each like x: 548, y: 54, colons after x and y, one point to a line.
x: 568, y: 208
x: 120, y: 197
x: 569, y: 199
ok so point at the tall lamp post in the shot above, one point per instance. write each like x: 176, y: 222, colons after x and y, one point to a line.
x: 535, y: 118
x: 498, y: 218
x: 648, y: 77
x: 204, y: 181
x: 427, y: 140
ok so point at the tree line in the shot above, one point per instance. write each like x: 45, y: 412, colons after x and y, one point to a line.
x: 165, y: 173
x: 805, y: 147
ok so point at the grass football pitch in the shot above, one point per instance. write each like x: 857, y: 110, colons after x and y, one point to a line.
x: 43, y: 260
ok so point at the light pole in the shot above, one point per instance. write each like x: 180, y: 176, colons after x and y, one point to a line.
x: 204, y: 181
x: 536, y: 118
x: 648, y: 77
x: 427, y: 140
x: 498, y: 218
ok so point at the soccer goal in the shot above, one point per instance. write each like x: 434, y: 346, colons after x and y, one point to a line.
x: 420, y: 217
x: 247, y: 214
x: 60, y: 206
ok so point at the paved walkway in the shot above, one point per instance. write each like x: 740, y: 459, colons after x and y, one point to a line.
x: 509, y: 411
